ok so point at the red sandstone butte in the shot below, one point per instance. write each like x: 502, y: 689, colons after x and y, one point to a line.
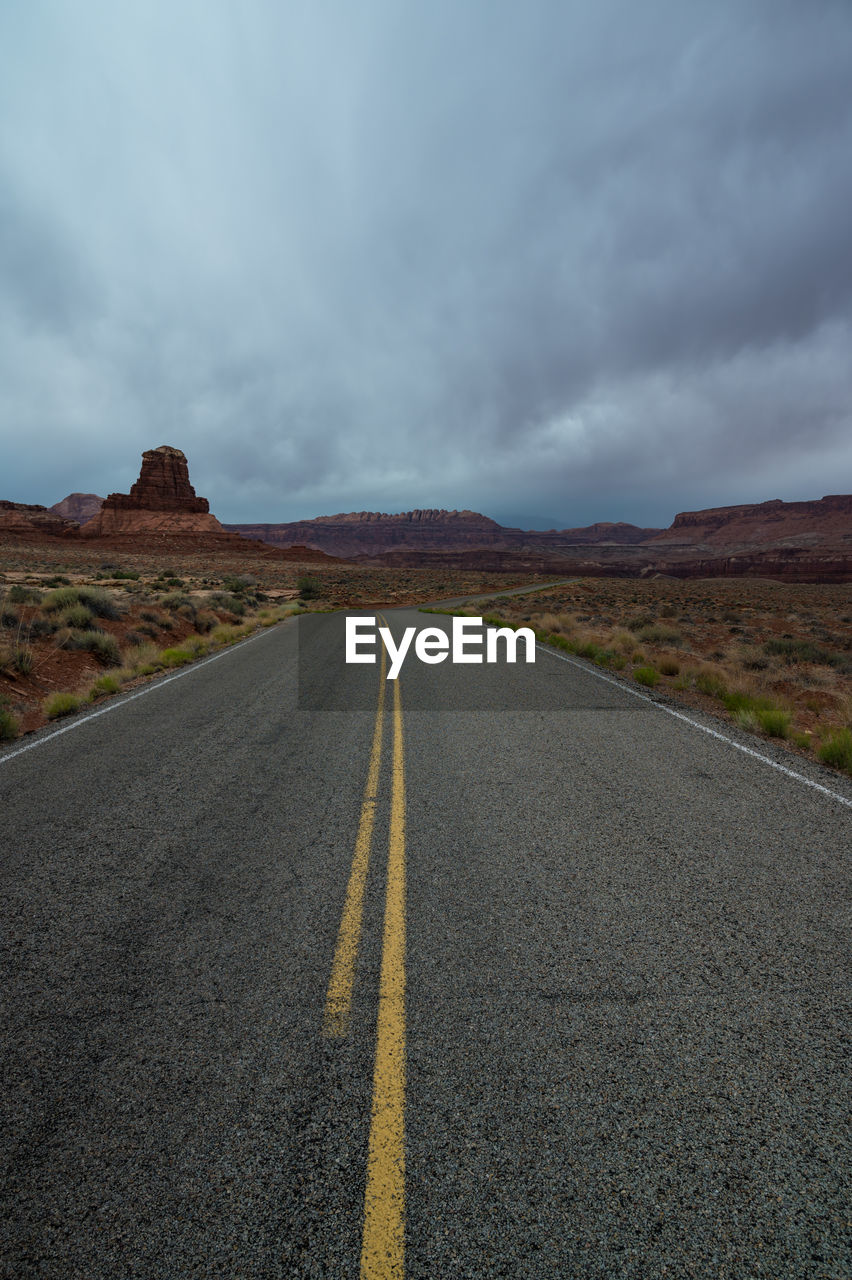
x: 163, y: 509
x: 161, y: 501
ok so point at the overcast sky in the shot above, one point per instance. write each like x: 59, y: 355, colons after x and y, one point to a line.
x: 580, y: 261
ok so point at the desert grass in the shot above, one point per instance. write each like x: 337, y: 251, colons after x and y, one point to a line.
x: 102, y: 646
x: 104, y: 684
x: 176, y: 656
x: 98, y: 601
x: 77, y: 616
x: 836, y: 750
x: 62, y: 704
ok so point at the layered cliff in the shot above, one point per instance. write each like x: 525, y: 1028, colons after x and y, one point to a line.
x: 22, y: 520
x: 375, y: 534
x: 795, y: 541
x: 822, y: 520
x: 163, y: 510
x: 162, y: 501
x: 370, y: 533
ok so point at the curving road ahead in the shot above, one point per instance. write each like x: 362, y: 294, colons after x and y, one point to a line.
x: 590, y: 998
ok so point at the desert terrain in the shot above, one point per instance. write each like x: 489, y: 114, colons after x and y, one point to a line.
x: 77, y: 623
x: 774, y: 658
x: 151, y: 580
x: 97, y: 594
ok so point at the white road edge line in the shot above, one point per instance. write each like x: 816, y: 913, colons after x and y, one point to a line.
x: 130, y: 697
x: 696, y: 724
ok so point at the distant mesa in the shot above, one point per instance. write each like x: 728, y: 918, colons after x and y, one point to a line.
x: 370, y: 533
x: 161, y: 501
x: 79, y: 507
x: 793, y: 541
x: 764, y: 522
x: 375, y: 533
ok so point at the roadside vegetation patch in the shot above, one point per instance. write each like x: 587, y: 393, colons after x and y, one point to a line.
x: 56, y: 632
x: 176, y: 657
x: 104, y: 648
x: 836, y: 750
x: 104, y: 684
x: 62, y: 704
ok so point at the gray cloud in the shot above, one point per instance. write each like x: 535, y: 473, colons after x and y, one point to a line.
x: 583, y: 261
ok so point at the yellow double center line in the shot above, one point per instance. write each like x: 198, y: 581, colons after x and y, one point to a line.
x: 383, y: 1242
x: 338, y: 1001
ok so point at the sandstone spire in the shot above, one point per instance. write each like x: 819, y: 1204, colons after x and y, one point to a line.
x: 161, y: 501
x: 163, y: 485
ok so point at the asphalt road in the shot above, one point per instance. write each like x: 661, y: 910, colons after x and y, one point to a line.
x: 599, y: 974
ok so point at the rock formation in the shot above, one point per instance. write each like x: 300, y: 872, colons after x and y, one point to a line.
x: 763, y: 523
x: 163, y: 510
x: 369, y: 533
x: 794, y: 541
x: 163, y: 485
x: 23, y: 521
x: 619, y: 534
x: 374, y: 533
x: 79, y: 507
x: 162, y: 501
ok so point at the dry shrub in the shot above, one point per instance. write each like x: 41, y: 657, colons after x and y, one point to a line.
x: 739, y: 683
x: 837, y: 750
x: 62, y: 704
x: 206, y: 621
x: 145, y: 659
x: 710, y: 678
x: 843, y: 706
x: 567, y: 621
x: 657, y: 633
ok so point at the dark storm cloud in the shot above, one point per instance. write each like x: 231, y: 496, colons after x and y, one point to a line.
x: 43, y: 286
x: 582, y: 260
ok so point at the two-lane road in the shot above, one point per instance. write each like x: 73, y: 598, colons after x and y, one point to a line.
x: 591, y: 991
